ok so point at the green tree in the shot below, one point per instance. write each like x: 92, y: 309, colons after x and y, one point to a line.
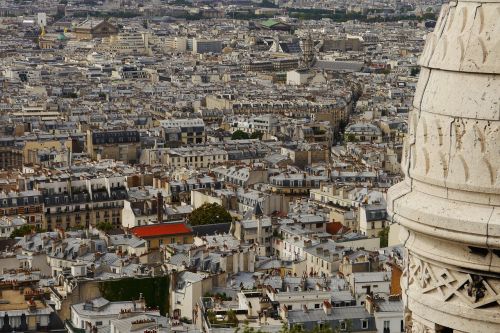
x: 209, y: 213
x: 104, y: 226
x: 268, y: 4
x: 21, y: 231
x: 384, y: 237
x: 247, y: 329
x: 239, y: 135
x: 257, y: 135
x: 350, y: 137
x: 232, y: 318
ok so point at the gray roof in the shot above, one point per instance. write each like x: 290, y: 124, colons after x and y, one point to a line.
x: 338, y: 313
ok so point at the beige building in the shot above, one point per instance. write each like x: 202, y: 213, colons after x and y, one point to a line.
x: 119, y: 145
x: 189, y: 157
x: 31, y: 148
x: 92, y: 28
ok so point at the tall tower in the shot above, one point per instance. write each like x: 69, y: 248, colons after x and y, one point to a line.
x: 448, y: 206
x: 308, y: 57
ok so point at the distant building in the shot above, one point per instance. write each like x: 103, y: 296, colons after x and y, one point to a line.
x: 201, y: 46
x: 273, y: 24
x: 98, y: 313
x: 92, y: 28
x: 183, y: 131
x: 372, y: 219
x: 9, y: 224
x: 120, y: 145
x: 363, y: 133
x: 28, y: 204
x: 349, y: 319
x: 11, y: 156
x: 22, y: 313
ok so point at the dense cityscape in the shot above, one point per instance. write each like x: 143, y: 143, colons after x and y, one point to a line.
x: 249, y: 166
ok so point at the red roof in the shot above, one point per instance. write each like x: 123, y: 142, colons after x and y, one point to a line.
x: 161, y: 229
x: 335, y: 228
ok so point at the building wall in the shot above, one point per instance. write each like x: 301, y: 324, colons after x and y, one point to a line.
x: 394, y: 320
x: 84, y: 290
x: 155, y: 242
x: 369, y: 244
x: 199, y: 198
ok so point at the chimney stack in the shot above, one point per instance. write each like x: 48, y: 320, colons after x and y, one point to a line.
x: 327, y: 307
x: 159, y: 207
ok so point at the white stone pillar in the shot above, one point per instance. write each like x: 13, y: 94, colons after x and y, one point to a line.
x: 449, y: 202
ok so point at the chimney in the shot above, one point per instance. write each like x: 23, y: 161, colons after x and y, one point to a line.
x: 285, y: 312
x: 327, y: 307
x: 159, y: 207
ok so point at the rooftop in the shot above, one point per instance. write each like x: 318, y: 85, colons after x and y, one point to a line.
x: 162, y: 229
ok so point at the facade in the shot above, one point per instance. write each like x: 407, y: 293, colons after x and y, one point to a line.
x: 28, y: 204
x: 83, y: 203
x: 348, y: 319
x: 99, y: 313
x: 183, y: 131
x: 307, y: 154
x: 91, y: 28
x: 372, y: 219
x: 201, y: 46
x: 120, y: 145
x: 11, y: 156
x: 21, y: 313
x: 8, y: 225
x: 255, y: 231
x: 185, y: 157
x: 363, y: 133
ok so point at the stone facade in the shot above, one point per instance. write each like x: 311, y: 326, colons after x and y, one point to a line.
x: 449, y: 202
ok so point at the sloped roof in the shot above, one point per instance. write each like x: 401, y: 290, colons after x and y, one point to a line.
x: 272, y: 23
x: 161, y: 229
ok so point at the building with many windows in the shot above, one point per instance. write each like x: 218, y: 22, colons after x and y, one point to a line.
x: 83, y: 202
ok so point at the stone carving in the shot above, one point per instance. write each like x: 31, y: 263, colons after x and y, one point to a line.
x: 418, y: 327
x: 449, y: 204
x: 472, y: 290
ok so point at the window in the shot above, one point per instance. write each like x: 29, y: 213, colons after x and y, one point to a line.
x: 289, y: 307
x: 387, y: 324
x: 98, y: 323
x: 343, y: 325
x: 316, y: 306
x: 364, y: 324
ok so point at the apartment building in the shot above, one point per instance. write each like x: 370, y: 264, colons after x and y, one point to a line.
x: 120, y: 145
x: 83, y: 202
x: 183, y: 131
x: 201, y: 46
x: 28, y: 204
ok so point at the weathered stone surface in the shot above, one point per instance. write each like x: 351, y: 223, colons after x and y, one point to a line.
x: 449, y: 202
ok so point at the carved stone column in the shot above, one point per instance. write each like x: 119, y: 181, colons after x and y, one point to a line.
x: 449, y: 202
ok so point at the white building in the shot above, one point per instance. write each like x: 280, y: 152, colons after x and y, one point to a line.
x: 9, y: 224
x: 99, y: 312
x: 367, y: 283
x: 298, y: 77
